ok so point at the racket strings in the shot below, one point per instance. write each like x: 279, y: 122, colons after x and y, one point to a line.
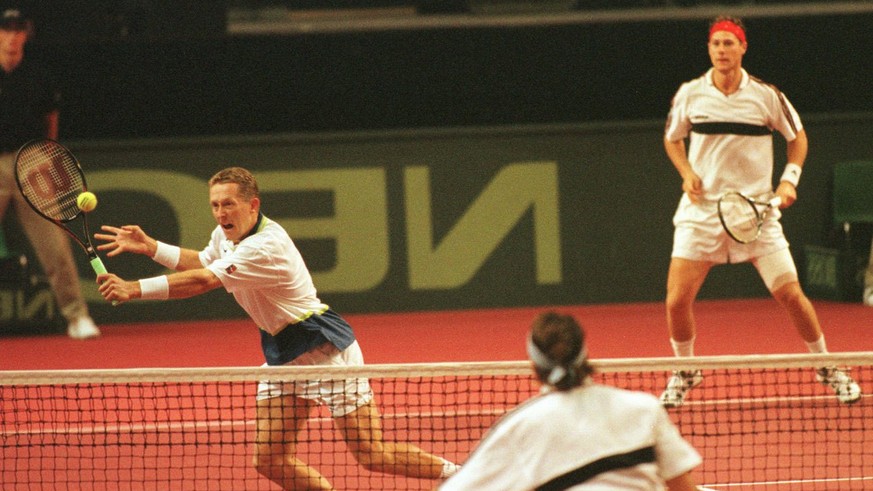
x: 50, y: 179
x: 740, y: 217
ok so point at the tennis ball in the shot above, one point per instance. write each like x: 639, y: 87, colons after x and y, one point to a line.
x: 86, y: 201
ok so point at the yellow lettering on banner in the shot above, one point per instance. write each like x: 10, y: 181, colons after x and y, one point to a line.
x: 29, y: 306
x: 16, y: 305
x: 516, y: 189
x: 359, y: 225
x: 7, y: 305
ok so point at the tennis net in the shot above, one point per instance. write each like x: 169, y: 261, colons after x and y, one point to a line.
x: 760, y: 422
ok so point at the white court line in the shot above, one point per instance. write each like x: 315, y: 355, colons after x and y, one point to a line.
x: 715, y: 487
x: 130, y: 428
x: 766, y: 400
x: 168, y: 426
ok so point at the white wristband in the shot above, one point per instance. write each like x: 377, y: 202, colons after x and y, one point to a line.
x: 791, y: 174
x: 157, y: 288
x: 167, y: 255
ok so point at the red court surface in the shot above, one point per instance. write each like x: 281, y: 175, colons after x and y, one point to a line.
x: 783, y: 439
x: 726, y: 327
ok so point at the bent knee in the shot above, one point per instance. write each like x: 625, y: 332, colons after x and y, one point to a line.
x: 269, y: 463
x: 679, y: 300
x: 789, y: 294
x: 372, y: 457
x: 264, y: 466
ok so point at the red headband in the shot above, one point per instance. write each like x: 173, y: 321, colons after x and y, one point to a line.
x: 730, y: 27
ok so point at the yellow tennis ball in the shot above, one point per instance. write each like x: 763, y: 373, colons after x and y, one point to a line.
x: 86, y: 201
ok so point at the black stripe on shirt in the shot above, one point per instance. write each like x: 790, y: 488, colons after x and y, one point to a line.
x: 730, y: 129
x: 606, y: 464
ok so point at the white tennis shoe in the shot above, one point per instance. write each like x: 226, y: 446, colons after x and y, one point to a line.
x: 868, y: 296
x: 847, y: 390
x: 83, y: 328
x: 678, y: 385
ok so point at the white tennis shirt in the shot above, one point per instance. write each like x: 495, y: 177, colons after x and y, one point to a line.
x: 731, y: 140
x: 557, y: 432
x: 266, y: 275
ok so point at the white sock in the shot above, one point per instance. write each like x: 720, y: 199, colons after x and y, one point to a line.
x: 449, y: 469
x: 683, y: 348
x: 818, y: 346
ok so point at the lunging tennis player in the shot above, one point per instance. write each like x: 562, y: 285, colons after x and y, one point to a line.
x: 253, y: 258
x: 729, y: 118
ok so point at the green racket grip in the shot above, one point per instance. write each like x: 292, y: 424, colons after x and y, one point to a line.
x: 99, y: 268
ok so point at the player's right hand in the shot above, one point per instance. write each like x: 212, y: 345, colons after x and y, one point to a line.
x: 115, y: 289
x: 693, y: 187
x: 128, y: 238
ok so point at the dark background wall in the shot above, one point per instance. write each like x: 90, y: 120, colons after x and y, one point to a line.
x: 174, y: 83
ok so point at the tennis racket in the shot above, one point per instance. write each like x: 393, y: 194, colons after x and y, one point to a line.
x: 50, y: 179
x: 742, y: 217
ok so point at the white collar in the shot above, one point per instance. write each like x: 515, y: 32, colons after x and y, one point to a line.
x: 744, y: 78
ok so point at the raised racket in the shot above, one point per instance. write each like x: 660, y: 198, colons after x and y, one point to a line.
x: 50, y: 178
x: 742, y: 217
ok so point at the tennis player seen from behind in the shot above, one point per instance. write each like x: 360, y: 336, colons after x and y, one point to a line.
x: 729, y: 118
x: 253, y: 258
x: 577, y: 434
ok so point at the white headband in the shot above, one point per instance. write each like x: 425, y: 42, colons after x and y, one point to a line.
x: 542, y: 360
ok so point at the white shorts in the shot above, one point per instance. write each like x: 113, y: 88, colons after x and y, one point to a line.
x: 340, y: 396
x: 699, y: 236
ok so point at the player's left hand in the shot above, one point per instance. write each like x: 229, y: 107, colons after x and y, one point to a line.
x: 787, y: 192
x: 128, y: 238
x: 115, y: 289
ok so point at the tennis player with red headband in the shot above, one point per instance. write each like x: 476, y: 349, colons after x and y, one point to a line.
x: 729, y: 118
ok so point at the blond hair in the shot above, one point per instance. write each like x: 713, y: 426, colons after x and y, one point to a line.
x: 248, y: 186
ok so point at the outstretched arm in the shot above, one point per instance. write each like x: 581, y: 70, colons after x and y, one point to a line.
x: 131, y: 238
x: 177, y: 285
